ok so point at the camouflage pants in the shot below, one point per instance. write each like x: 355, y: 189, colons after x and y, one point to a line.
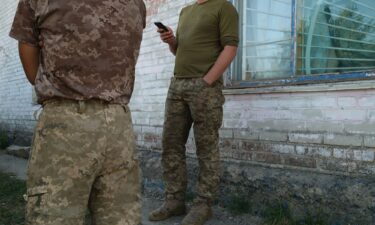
x: 83, y: 156
x: 192, y: 101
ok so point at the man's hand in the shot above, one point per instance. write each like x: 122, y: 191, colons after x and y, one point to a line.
x: 169, y: 38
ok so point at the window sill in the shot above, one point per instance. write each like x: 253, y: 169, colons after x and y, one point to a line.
x: 329, y: 83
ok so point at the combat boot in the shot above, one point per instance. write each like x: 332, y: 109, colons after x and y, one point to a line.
x: 199, y: 213
x: 172, y: 206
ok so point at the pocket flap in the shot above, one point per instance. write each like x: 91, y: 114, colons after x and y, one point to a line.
x: 36, y: 191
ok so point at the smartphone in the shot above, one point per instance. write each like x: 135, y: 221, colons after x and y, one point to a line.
x: 161, y: 26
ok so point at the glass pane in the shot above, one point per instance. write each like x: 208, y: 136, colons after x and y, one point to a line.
x: 335, y: 36
x: 266, y: 39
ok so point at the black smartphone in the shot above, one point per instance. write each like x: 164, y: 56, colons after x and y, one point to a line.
x: 161, y: 26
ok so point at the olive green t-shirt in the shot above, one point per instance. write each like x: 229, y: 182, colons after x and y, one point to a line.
x: 203, y: 32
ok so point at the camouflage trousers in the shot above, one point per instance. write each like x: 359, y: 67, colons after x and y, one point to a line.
x: 192, y: 102
x: 83, y: 157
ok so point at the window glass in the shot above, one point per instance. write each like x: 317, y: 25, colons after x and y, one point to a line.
x: 331, y: 36
x: 336, y: 36
x: 266, y: 39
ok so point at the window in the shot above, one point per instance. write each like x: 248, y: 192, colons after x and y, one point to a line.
x: 303, y: 40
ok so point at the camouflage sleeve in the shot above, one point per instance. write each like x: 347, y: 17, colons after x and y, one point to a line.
x: 24, y: 24
x: 144, y: 14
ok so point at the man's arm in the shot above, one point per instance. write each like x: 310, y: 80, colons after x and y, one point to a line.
x: 222, y: 63
x: 169, y: 38
x: 30, y: 60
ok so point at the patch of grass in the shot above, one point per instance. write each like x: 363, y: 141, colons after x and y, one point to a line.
x: 278, y: 214
x: 318, y: 219
x: 4, y: 141
x: 12, y: 203
x: 239, y: 205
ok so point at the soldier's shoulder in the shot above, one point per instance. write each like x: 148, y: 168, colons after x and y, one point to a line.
x: 188, y: 6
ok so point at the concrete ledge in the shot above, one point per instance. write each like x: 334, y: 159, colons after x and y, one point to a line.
x: 320, y: 87
x: 18, y: 151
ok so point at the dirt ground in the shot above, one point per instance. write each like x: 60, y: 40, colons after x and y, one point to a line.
x: 17, y: 166
x: 221, y: 216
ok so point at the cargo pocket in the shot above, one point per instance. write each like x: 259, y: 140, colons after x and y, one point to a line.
x: 36, y: 198
x: 202, y: 84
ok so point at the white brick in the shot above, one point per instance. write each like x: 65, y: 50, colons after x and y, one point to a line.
x: 324, y: 102
x: 292, y: 103
x: 344, y: 115
x: 226, y: 133
x: 364, y: 155
x: 265, y: 103
x: 273, y: 136
x: 367, y: 101
x: 325, y: 152
x: 347, y: 101
x: 325, y: 126
x: 301, y: 150
x: 285, y: 149
x: 306, y: 138
x: 369, y: 141
x: 342, y: 153
x: 246, y: 135
x: 339, y: 153
x: 339, y: 139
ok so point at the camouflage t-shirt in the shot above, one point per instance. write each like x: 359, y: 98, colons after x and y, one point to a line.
x: 90, y: 47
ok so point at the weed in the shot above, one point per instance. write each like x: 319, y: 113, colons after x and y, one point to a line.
x: 278, y: 214
x: 4, y: 141
x: 239, y: 205
x: 281, y: 214
x: 318, y: 219
x: 12, y: 203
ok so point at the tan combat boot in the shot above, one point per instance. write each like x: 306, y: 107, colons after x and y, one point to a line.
x: 172, y: 206
x: 199, y: 213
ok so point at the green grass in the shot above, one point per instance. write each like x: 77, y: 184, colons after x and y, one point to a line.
x: 239, y: 205
x: 4, y: 142
x: 280, y: 214
x: 12, y: 203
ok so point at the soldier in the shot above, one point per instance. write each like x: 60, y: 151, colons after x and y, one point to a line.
x: 205, y: 45
x: 83, y: 150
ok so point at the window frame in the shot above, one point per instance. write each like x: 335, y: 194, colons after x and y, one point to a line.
x: 234, y: 74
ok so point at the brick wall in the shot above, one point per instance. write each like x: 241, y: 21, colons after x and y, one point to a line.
x: 325, y: 131
x: 16, y: 108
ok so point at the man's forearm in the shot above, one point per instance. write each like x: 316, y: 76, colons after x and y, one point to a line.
x: 173, y: 47
x: 29, y: 56
x: 222, y: 63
